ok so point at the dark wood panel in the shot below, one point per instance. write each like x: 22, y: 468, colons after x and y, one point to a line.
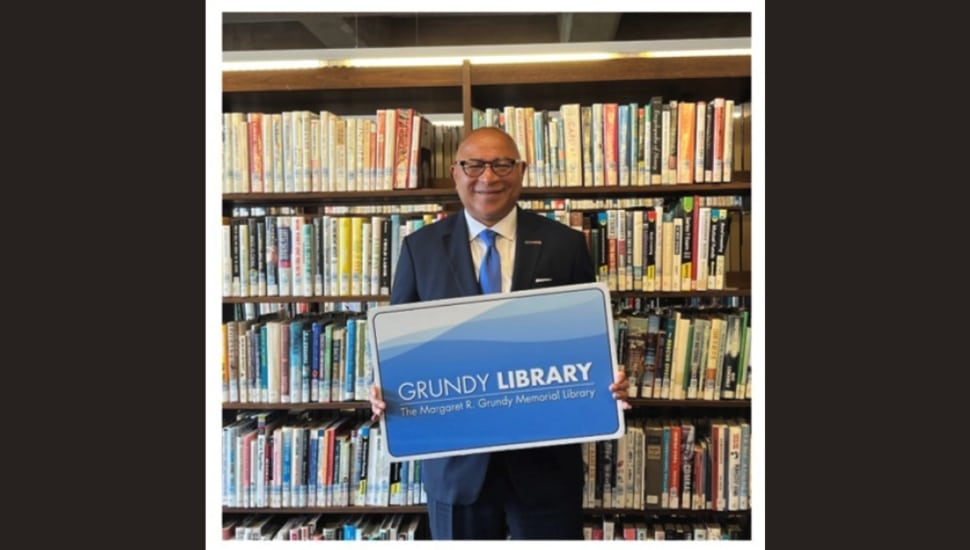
x: 551, y: 96
x: 346, y: 102
x: 340, y: 78
x: 661, y: 68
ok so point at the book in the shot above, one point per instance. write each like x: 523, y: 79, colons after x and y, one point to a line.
x: 656, y: 139
x: 686, y: 134
x: 668, y: 268
x: 718, y: 163
x: 636, y: 353
x: 733, y: 470
x: 688, y: 433
x: 419, y: 158
x: 742, y: 390
x: 714, y: 235
x: 714, y: 357
x: 573, y: 145
x: 402, y: 147
x: 623, y: 144
x: 649, y: 283
x: 699, y: 342
x: 700, y: 137
x: 728, y: 156
x: 731, y: 358
x: 686, y: 211
x: 744, y: 482
x: 676, y: 454
x: 653, y: 477
x: 723, y: 231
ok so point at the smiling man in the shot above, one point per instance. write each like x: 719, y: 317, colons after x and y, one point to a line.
x: 494, y: 246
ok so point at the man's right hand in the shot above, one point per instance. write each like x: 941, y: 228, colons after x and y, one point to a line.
x: 377, y: 404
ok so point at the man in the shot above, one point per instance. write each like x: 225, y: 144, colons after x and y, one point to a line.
x: 528, y: 493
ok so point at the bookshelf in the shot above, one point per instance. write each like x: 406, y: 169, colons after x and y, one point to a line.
x: 362, y: 91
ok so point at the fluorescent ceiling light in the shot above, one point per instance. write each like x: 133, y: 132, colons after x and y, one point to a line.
x: 480, y: 55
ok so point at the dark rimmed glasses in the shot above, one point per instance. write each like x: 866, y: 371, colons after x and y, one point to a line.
x: 474, y: 167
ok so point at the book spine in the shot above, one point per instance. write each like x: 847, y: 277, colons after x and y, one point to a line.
x: 665, y: 466
x: 296, y: 255
x: 349, y: 360
x: 718, y: 165
x: 256, y: 152
x: 623, y: 144
x: 700, y: 137
x: 317, y: 253
x: 744, y: 474
x: 733, y: 481
x: 687, y: 243
x: 326, y: 362
x: 633, y: 156
x: 727, y: 163
x: 656, y: 140
x: 610, y: 144
x: 687, y: 464
x: 309, y: 253
x: 402, y: 147
x: 723, y: 228
x: 686, y: 133
x: 244, y: 253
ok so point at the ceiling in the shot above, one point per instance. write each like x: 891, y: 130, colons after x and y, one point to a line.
x: 294, y: 31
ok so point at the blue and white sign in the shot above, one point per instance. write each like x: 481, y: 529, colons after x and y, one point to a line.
x: 497, y: 371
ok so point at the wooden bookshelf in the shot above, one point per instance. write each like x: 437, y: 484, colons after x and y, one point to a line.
x: 357, y: 91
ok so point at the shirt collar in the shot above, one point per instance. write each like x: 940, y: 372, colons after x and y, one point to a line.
x: 505, y: 227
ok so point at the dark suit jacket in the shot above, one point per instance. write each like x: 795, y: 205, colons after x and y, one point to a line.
x: 434, y: 263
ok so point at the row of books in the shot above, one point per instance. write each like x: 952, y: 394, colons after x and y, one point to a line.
x: 306, y: 151
x: 613, y: 528
x: 602, y: 144
x: 686, y: 353
x: 312, y: 358
x: 413, y: 527
x: 567, y: 205
x: 321, y: 527
x: 677, y: 246
x: 612, y: 144
x: 671, y: 463
x: 277, y: 460
x: 243, y: 311
x: 313, y: 255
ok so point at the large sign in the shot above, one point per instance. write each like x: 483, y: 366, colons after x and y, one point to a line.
x: 498, y: 371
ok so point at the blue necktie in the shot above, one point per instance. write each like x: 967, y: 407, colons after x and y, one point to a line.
x: 490, y: 272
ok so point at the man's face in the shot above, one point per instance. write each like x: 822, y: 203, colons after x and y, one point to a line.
x: 488, y: 197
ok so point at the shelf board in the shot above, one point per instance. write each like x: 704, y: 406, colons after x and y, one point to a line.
x: 351, y: 78
x: 422, y: 509
x: 384, y: 298
x: 365, y: 405
x: 658, y: 68
x: 338, y: 405
x: 309, y: 299
x: 340, y: 78
x: 442, y: 192
x: 668, y: 512
x: 638, y: 402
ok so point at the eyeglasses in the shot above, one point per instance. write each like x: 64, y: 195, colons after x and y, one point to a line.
x: 474, y: 168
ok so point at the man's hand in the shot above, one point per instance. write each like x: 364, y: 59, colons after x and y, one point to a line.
x: 619, y: 388
x: 377, y: 404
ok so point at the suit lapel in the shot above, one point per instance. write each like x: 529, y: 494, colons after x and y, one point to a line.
x: 459, y: 255
x: 528, y: 245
